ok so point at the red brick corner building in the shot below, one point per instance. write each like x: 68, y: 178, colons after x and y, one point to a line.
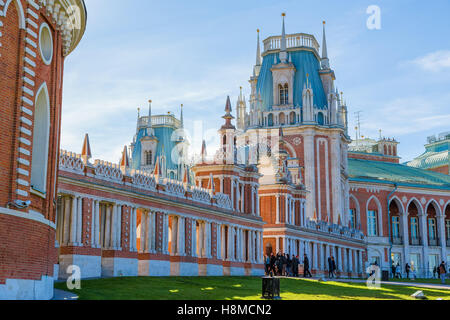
x: 35, y: 38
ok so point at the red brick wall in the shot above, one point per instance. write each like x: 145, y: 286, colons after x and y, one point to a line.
x: 9, y: 79
x: 27, y: 250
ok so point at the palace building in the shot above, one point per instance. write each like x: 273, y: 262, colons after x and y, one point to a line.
x: 287, y: 176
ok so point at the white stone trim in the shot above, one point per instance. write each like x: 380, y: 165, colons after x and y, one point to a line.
x: 31, y: 215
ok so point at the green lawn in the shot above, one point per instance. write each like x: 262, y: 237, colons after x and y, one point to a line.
x: 432, y: 281
x: 236, y: 288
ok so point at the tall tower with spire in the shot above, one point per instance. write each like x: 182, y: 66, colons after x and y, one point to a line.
x: 293, y: 88
x: 241, y: 110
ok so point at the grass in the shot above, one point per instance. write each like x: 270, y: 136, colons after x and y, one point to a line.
x: 430, y: 281
x: 237, y: 288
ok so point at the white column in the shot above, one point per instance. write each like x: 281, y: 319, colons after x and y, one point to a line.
x: 143, y: 235
x: 154, y: 232
x: 424, y: 235
x: 173, y: 236
x: 218, y: 241
x: 194, y: 238
x: 166, y: 234
x: 253, y: 200
x: 119, y: 227
x: 73, y: 223
x: 316, y: 262
x: 442, y: 236
x: 258, y: 213
x: 79, y: 221
x: 224, y: 243
x: 278, y: 209
x: 350, y: 260
x: 242, y: 198
x: 180, y: 237
x: 345, y: 260
x: 97, y: 224
x: 133, y: 229
x: 208, y: 239
x: 67, y: 219
x: 361, y: 270
x: 286, y: 209
x: 322, y: 260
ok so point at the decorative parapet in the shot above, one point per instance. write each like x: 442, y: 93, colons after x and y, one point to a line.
x: 70, y: 18
x: 174, y: 188
x: 108, y: 171
x: 144, y: 180
x: 201, y: 195
x: 223, y: 201
x: 298, y: 40
x: 71, y: 162
x: 335, y: 229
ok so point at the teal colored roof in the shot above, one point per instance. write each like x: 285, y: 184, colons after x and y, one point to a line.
x: 377, y: 171
x: 305, y: 62
x: 436, y: 155
x: 165, y: 146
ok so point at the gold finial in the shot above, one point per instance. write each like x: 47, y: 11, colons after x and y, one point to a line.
x: 324, y: 22
x: 182, y: 105
x: 257, y: 30
x: 139, y: 110
x: 283, y: 14
x: 150, y: 101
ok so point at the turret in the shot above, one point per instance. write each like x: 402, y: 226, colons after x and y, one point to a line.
x: 241, y: 110
x: 308, y: 102
x: 228, y: 135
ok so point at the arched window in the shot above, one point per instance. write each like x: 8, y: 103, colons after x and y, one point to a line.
x: 40, y: 140
x: 292, y: 117
x: 148, y: 158
x: 282, y: 119
x: 284, y: 94
x: 372, y: 223
x: 352, y: 218
x: 320, y: 119
x: 270, y: 120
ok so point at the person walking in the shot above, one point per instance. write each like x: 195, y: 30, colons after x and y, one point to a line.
x: 306, y: 272
x: 333, y: 267
x: 398, y: 273
x: 267, y: 264
x: 273, y: 261
x: 295, y: 263
x: 407, y: 270
x: 442, y: 272
x: 330, y: 268
x: 284, y: 264
x: 288, y: 265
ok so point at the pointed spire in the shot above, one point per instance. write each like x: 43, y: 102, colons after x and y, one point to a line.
x: 125, y: 161
x: 149, y: 113
x: 86, y: 153
x: 228, y: 116
x: 283, y: 35
x: 182, y: 117
x: 211, y: 186
x: 186, y: 179
x: 325, y: 63
x: 203, y: 154
x: 258, y: 51
x: 283, y: 47
x: 157, y: 169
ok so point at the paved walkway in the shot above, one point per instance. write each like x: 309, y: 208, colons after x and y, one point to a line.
x: 406, y: 284
x: 64, y: 295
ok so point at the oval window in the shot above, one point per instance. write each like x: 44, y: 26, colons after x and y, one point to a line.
x: 46, y: 43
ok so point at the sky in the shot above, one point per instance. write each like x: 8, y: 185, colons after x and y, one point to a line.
x: 197, y: 52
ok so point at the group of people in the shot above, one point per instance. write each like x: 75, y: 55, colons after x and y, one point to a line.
x: 283, y: 264
x: 438, y: 271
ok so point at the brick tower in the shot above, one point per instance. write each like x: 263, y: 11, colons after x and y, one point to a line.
x: 35, y: 38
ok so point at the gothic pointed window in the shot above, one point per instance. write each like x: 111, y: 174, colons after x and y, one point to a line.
x: 284, y: 94
x: 148, y: 158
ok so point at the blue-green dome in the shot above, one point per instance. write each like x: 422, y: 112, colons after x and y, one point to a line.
x: 305, y: 63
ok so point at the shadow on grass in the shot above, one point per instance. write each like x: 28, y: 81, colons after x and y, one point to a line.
x: 235, y: 288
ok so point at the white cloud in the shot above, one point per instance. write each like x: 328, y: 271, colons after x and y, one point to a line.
x: 434, y: 61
